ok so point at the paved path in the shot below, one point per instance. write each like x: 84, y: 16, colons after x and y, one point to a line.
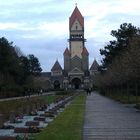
x: 106, y: 119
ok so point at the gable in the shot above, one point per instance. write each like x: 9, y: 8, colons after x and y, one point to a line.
x: 76, y: 15
x: 56, y: 67
x: 76, y: 26
x: 76, y: 71
x: 94, y: 66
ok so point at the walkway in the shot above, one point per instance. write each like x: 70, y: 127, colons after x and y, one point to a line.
x: 106, y: 119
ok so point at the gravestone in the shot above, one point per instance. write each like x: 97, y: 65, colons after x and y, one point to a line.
x: 20, y: 111
x: 41, y: 104
x: 26, y: 130
x: 39, y: 118
x: 32, y: 123
x: 33, y: 107
x: 24, y: 109
x: 37, y: 106
x: 33, y: 110
x: 12, y: 117
x: 28, y: 110
x: 1, y: 120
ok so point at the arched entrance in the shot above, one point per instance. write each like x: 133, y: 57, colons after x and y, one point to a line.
x: 47, y: 84
x: 56, y: 84
x: 76, y: 82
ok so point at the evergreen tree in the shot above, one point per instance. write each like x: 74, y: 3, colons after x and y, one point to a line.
x: 9, y: 62
x: 15, y: 69
x: 34, y: 65
x: 122, y: 35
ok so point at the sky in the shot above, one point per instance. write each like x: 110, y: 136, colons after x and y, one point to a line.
x: 41, y: 27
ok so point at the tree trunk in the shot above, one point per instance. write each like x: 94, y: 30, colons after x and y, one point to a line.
x: 128, y: 93
x: 136, y: 92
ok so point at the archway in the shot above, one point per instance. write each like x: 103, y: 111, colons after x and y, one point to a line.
x: 47, y: 84
x: 76, y: 82
x: 56, y: 84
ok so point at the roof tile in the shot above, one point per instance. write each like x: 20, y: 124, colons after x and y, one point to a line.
x: 66, y: 52
x: 85, y: 51
x: 94, y: 65
x: 56, y: 66
x: 76, y: 15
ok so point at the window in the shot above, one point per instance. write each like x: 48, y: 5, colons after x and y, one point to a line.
x: 76, y: 27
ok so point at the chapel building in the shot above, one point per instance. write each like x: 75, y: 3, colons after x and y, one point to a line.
x: 76, y: 73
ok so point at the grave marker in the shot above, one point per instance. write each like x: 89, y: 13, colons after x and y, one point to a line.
x: 12, y: 117
x: 1, y: 120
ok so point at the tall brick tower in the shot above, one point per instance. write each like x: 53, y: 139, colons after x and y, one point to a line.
x: 76, y: 57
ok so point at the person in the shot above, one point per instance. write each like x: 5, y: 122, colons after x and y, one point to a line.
x: 89, y: 91
x: 41, y: 91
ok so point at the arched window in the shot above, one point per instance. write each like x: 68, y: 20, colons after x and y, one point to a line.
x: 56, y: 84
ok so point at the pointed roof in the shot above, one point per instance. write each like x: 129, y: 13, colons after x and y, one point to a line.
x: 94, y: 65
x: 66, y: 52
x: 77, y: 15
x: 85, y: 51
x: 56, y: 66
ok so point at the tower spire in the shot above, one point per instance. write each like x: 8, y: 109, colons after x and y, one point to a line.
x: 76, y: 15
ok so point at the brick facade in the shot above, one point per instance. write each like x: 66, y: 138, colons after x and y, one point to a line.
x: 76, y: 72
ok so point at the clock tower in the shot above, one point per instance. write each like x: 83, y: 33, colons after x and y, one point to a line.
x: 76, y: 73
x: 76, y: 57
x: 76, y: 33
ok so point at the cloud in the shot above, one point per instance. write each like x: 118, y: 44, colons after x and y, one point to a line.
x: 41, y: 27
x: 5, y: 26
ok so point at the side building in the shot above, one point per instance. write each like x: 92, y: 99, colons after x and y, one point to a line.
x: 76, y: 73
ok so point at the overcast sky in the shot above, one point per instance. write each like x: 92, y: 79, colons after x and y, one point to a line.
x: 41, y: 27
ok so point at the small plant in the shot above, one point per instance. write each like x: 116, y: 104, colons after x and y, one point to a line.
x: 62, y: 92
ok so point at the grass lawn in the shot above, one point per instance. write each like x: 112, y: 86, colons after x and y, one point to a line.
x: 13, y: 105
x: 126, y: 99
x: 68, y: 125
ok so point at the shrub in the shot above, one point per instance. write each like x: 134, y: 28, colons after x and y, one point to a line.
x: 62, y: 92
